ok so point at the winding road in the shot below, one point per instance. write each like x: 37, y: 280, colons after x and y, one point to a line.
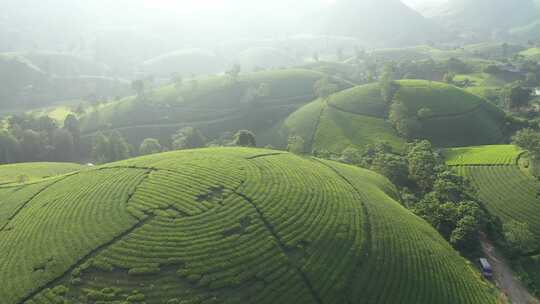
x: 504, y: 277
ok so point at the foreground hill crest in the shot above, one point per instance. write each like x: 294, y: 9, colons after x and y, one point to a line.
x: 223, y: 225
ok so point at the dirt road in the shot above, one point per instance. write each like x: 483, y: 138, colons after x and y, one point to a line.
x: 504, y: 277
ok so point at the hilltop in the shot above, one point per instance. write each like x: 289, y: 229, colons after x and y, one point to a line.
x: 359, y: 116
x: 255, y: 101
x: 224, y: 226
x: 386, y: 22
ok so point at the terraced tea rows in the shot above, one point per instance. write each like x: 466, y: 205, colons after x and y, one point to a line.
x: 506, y: 190
x: 482, y: 155
x: 35, y: 171
x: 225, y: 226
x: 358, y: 116
x: 508, y: 193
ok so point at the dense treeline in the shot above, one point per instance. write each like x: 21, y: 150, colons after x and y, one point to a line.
x: 28, y: 138
x: 430, y: 189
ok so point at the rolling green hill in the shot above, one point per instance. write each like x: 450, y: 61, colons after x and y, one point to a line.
x: 503, y: 187
x: 224, y: 226
x: 28, y: 84
x: 482, y: 155
x: 35, y: 171
x: 264, y: 57
x: 184, y: 62
x: 215, y: 105
x: 358, y: 116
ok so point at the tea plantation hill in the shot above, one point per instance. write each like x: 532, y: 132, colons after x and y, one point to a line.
x: 224, y: 225
x: 12, y: 173
x: 40, y: 79
x: 215, y: 104
x: 184, y: 62
x: 508, y: 191
x: 358, y: 116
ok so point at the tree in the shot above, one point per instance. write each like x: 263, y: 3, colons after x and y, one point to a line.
x: 9, y: 148
x: 529, y: 140
x: 188, y: 138
x: 516, y: 96
x: 405, y: 124
x: 245, y: 138
x: 234, y: 72
x: 324, y: 88
x: 449, y: 78
x: 72, y: 124
x: 531, y: 79
x: 392, y: 166
x: 519, y: 236
x: 100, y: 148
x: 387, y: 85
x: 422, y: 164
x: 120, y: 149
x: 110, y: 148
x: 491, y: 69
x: 63, y: 145
x: 33, y: 145
x: 296, y: 145
x: 178, y: 81
x: 139, y: 87
x: 351, y: 156
x: 150, y: 146
x: 424, y: 113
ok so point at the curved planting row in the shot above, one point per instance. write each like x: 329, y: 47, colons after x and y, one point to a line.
x: 229, y: 226
x: 482, y: 155
x: 59, y: 225
x: 508, y: 193
x: 408, y: 261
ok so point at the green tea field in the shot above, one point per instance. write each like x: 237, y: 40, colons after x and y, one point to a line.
x: 224, y: 225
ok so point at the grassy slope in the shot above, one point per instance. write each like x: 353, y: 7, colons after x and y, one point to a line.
x: 356, y: 117
x: 472, y: 119
x: 506, y: 190
x: 215, y: 105
x: 35, y: 171
x: 482, y: 155
x: 224, y: 226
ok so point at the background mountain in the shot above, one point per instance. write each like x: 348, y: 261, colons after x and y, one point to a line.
x: 388, y: 22
x: 485, y: 17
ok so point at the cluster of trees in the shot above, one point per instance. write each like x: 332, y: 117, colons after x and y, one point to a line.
x: 29, y: 138
x: 429, y: 188
x: 109, y: 147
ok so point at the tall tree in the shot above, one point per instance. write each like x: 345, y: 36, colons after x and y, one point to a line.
x: 63, y: 146
x: 324, y: 88
x: 150, y: 146
x: 9, y: 147
x: 188, y: 138
x: 245, y: 138
x: 72, y: 125
x: 516, y: 96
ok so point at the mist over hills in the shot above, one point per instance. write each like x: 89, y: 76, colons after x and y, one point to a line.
x: 488, y: 14
x: 390, y: 21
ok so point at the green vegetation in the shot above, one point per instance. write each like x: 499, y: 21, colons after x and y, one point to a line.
x: 224, y: 225
x: 183, y: 62
x: 357, y: 117
x: 215, y: 105
x: 482, y: 155
x: 35, y: 171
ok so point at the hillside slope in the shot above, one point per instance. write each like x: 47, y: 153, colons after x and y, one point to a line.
x: 35, y: 171
x: 358, y: 116
x: 224, y: 226
x: 387, y: 22
x: 215, y: 105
